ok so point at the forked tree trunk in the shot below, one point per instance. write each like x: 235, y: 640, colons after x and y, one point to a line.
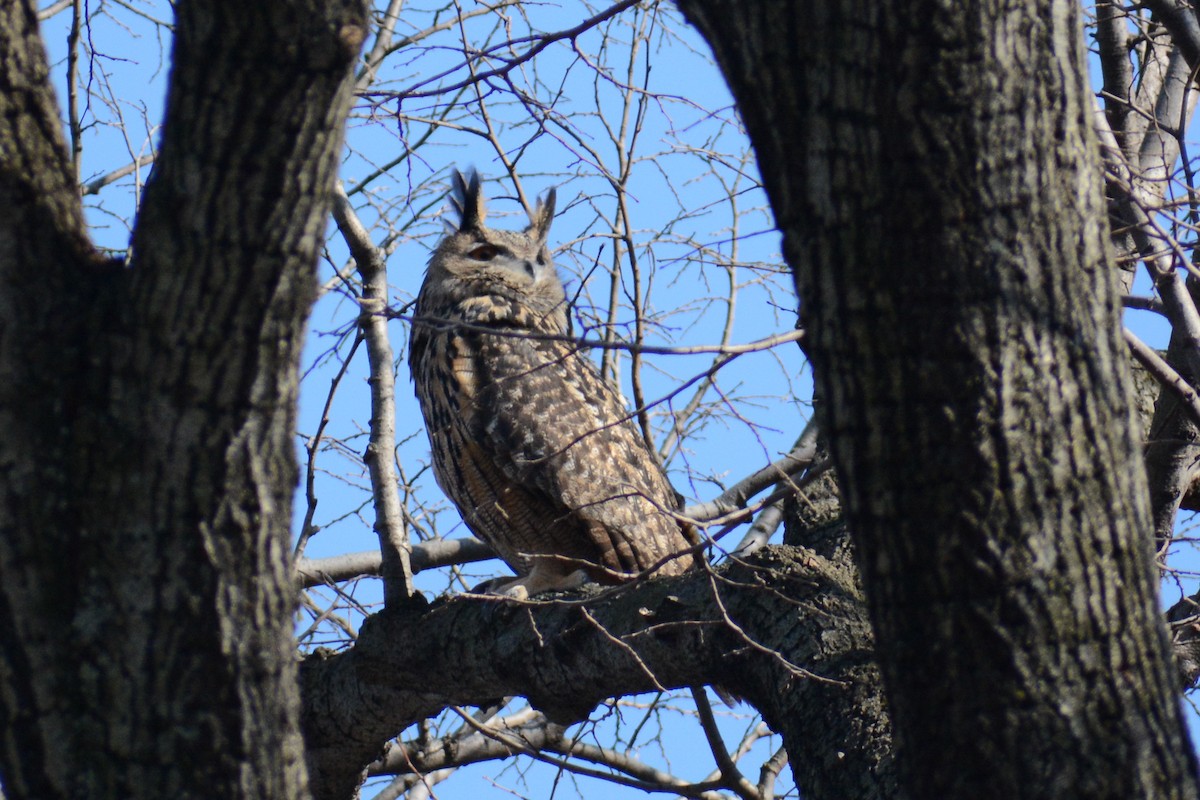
x: 147, y: 410
x: 934, y: 172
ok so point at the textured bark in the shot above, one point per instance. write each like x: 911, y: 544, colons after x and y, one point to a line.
x: 147, y: 467
x: 855, y: 711
x: 791, y: 605
x: 935, y: 175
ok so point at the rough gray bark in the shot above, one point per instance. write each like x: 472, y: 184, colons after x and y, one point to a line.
x: 802, y: 657
x: 146, y: 466
x: 935, y: 175
x: 857, y: 710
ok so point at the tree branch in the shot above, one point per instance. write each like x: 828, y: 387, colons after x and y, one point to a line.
x: 409, y: 664
x: 735, y: 497
x: 425, y: 555
x: 1180, y: 21
x: 1112, y: 35
x: 444, y: 552
x: 729, y: 771
x: 36, y: 173
x: 540, y: 44
x: 389, y: 514
x: 1164, y: 374
x: 96, y: 184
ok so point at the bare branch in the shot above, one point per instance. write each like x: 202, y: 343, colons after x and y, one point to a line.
x: 1157, y: 366
x: 529, y: 733
x: 729, y: 771
x: 389, y: 516
x: 311, y: 447
x: 735, y: 497
x: 54, y: 8
x: 425, y: 555
x: 1112, y: 36
x: 1180, y: 20
x: 96, y: 184
x: 400, y: 670
x: 540, y: 43
x: 770, y: 771
x: 766, y: 343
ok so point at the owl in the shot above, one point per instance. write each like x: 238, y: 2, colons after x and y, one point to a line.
x: 531, y: 444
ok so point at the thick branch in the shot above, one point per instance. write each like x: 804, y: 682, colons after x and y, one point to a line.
x: 51, y: 288
x: 148, y: 464
x: 1170, y: 455
x: 1112, y: 35
x: 966, y: 338
x: 1183, y: 620
x: 1164, y: 374
x: 567, y: 655
x: 1179, y: 18
x: 37, y: 185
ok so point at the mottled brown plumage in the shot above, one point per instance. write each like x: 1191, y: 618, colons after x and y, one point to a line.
x: 529, y: 441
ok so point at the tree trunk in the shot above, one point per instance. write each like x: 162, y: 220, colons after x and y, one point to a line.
x: 147, y: 465
x: 936, y: 178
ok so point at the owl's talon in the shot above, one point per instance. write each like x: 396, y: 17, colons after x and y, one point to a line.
x: 518, y: 592
x: 575, y: 580
x: 538, y: 580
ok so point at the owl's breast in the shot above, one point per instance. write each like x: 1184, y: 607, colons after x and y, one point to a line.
x: 451, y: 388
x: 447, y: 384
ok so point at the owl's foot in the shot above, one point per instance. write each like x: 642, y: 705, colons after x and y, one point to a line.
x: 540, y: 580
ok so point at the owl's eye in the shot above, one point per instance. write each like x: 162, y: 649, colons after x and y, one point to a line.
x: 484, y: 252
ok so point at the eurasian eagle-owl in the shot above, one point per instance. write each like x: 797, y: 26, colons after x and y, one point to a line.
x: 529, y: 441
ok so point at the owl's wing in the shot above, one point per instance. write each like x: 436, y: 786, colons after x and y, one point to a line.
x: 555, y: 427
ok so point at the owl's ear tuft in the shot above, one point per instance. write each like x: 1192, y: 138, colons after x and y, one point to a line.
x: 468, y: 200
x: 543, y: 215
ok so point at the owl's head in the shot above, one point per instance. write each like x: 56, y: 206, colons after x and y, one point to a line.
x: 489, y: 276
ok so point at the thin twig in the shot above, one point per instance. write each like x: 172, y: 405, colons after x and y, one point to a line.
x: 73, y: 122
x: 624, y: 646
x: 518, y: 746
x: 540, y: 44
x: 758, y: 345
x: 736, y: 497
x: 311, y: 447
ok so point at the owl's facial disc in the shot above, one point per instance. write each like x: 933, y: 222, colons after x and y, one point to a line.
x: 494, y: 257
